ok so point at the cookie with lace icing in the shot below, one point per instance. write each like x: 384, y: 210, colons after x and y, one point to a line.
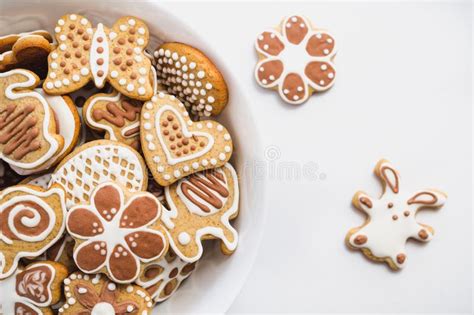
x: 102, y: 54
x: 191, y: 76
x: 174, y: 146
x: 115, y: 114
x: 97, y: 162
x: 32, y: 290
x: 95, y: 294
x: 28, y: 130
x: 201, y: 207
x: 162, y: 278
x: 295, y: 59
x: 391, y: 218
x: 33, y: 219
x: 117, y: 232
x: 27, y: 50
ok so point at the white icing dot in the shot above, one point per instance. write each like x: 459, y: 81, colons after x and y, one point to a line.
x: 299, y: 88
x: 54, y: 65
x: 167, y: 177
x: 167, y: 53
x: 141, y: 80
x: 84, y: 71
x: 147, y: 126
x: 186, y: 168
x: 62, y: 46
x: 114, y: 74
x: 123, y: 27
x: 195, y: 165
x: 330, y: 75
x: 142, y: 71
x: 49, y: 85
x: 208, y: 86
x: 204, y: 162
x: 222, y: 156
x: 326, y: 51
x: 184, y: 238
x: 62, y: 37
x: 192, y: 65
x: 227, y: 149
x: 122, y: 81
x: 321, y: 82
x: 66, y: 82
x: 296, y: 97
x: 54, y: 55
x: 52, y: 75
x: 73, y: 17
x: 201, y: 74
x: 111, y: 286
x: 131, y: 22
x: 227, y: 137
x: 61, y: 22
x: 156, y: 159
x: 112, y: 35
x: 57, y: 83
x: 210, y: 99
x: 160, y: 169
x: 129, y: 289
x: 76, y: 78
x: 83, y: 21
x: 324, y: 67
x: 213, y: 161
x: 141, y: 31
x: 141, y: 90
x: 57, y: 29
x: 294, y: 19
x: 177, y: 174
x: 183, y: 59
x: 220, y: 128
x: 319, y: 36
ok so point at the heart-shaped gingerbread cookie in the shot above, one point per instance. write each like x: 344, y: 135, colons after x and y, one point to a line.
x: 174, y: 146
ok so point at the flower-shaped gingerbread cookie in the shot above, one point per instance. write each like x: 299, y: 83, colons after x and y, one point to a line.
x: 32, y: 220
x: 200, y: 208
x: 295, y: 59
x: 33, y: 290
x: 96, y: 295
x: 391, y: 219
x: 117, y: 232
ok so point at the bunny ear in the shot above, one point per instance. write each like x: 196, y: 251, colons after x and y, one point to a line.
x: 389, y: 175
x: 362, y: 201
x: 428, y: 198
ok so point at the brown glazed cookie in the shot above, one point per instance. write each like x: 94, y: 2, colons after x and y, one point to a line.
x: 101, y: 54
x: 174, y: 146
x: 27, y: 51
x: 28, y: 131
x: 32, y: 290
x: 115, y: 114
x: 33, y: 219
x: 117, y: 232
x: 95, y: 294
x: 391, y: 219
x: 192, y: 77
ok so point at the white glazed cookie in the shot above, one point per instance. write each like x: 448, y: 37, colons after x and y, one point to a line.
x: 201, y: 207
x: 174, y: 146
x: 391, y: 219
x: 33, y: 219
x: 295, y: 59
x: 95, y: 294
x: 97, y: 162
x: 103, y: 54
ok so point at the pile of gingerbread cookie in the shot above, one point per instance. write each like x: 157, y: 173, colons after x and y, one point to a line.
x: 112, y: 174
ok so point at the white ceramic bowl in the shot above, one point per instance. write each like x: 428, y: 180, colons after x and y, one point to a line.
x: 218, y: 279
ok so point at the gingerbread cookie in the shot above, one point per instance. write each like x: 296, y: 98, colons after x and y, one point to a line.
x: 68, y: 125
x: 117, y: 232
x: 28, y: 131
x: 200, y: 208
x: 97, y: 162
x: 190, y: 75
x: 115, y: 114
x: 103, y: 55
x: 162, y: 278
x: 391, y: 219
x: 174, y: 146
x: 26, y: 51
x: 96, y: 294
x: 295, y: 59
x: 32, y: 221
x: 33, y: 290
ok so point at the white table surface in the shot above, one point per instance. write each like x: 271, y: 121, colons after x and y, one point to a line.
x: 403, y: 92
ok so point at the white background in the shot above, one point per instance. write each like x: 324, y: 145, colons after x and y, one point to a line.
x: 403, y: 92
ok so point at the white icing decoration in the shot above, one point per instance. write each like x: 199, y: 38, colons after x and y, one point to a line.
x: 94, y: 56
x: 67, y: 172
